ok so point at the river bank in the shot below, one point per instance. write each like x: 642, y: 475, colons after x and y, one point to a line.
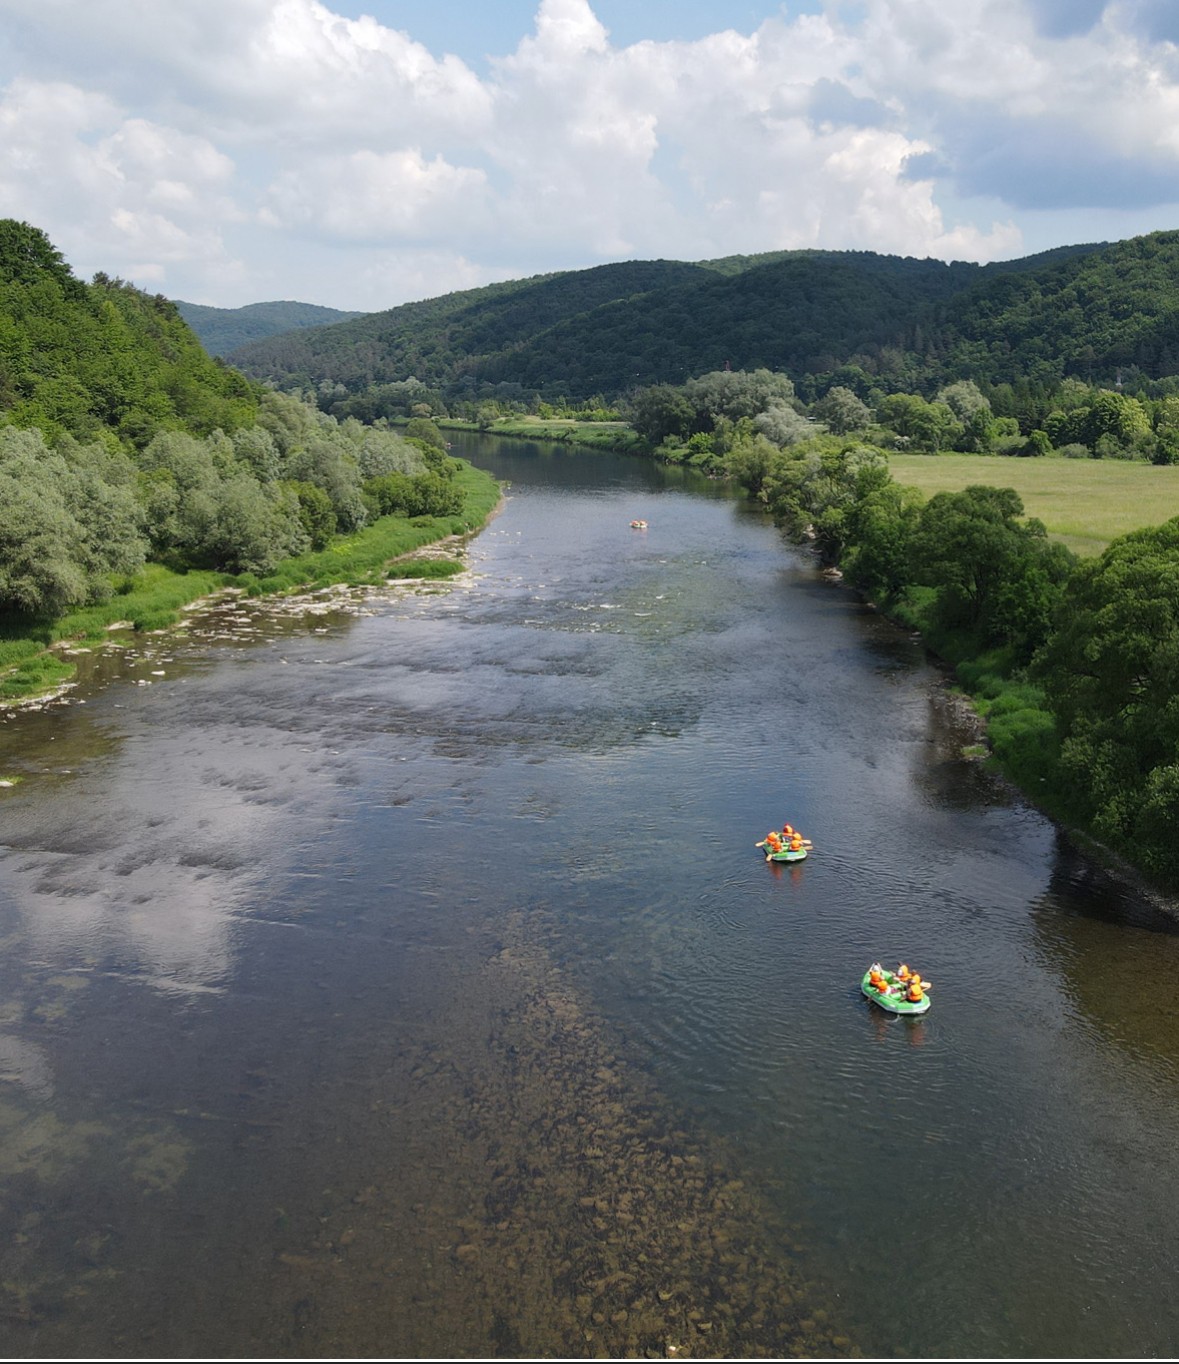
x: 38, y: 665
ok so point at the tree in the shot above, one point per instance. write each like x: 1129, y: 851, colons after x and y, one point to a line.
x: 1115, y: 415
x: 841, y: 412
x: 749, y: 460
x: 662, y: 411
x: 423, y: 429
x: 784, y: 426
x: 964, y: 399
x: 881, y: 526
x: 971, y: 546
x: 1111, y: 673
x: 926, y: 426
x: 64, y: 529
x: 736, y: 394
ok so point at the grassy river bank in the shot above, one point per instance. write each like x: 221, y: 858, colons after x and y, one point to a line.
x: 31, y: 658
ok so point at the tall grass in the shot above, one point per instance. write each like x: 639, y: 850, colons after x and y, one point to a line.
x: 1086, y: 503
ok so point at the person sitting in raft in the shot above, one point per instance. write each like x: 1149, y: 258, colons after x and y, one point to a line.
x: 773, y: 842
x: 915, y: 994
x: 903, y: 972
x: 795, y: 843
x: 787, y: 830
x: 876, y: 979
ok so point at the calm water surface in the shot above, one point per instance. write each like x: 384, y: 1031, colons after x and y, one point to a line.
x: 407, y: 982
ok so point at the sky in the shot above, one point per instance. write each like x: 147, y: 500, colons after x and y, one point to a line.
x: 366, y: 153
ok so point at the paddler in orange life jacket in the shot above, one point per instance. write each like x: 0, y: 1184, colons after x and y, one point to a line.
x: 915, y: 993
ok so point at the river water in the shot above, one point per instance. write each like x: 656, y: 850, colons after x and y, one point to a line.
x: 404, y: 980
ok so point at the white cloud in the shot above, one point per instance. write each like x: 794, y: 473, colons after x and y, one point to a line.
x: 238, y: 149
x: 375, y: 196
x: 115, y: 193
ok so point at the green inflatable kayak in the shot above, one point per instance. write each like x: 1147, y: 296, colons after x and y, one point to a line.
x: 892, y: 997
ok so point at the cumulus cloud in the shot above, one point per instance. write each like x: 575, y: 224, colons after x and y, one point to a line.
x: 229, y: 150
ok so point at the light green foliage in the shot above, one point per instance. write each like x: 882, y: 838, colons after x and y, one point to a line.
x: 749, y: 461
x: 964, y: 399
x: 814, y: 488
x: 782, y: 425
x: 737, y: 393
x: 841, y: 411
x: 425, y: 494
x: 63, y: 528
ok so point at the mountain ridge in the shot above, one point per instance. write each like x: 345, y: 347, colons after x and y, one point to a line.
x: 609, y: 329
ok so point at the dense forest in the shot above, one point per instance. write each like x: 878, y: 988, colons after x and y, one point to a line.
x: 1087, y: 312
x: 222, y: 330
x: 122, y: 441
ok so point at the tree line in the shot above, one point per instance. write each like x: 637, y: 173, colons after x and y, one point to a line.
x: 697, y: 422
x: 1074, y: 663
x: 121, y: 441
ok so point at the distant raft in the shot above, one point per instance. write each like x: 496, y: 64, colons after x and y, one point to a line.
x: 894, y: 992
x: 638, y: 525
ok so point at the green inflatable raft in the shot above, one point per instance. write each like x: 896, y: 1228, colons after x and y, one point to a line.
x: 892, y: 997
x: 786, y: 855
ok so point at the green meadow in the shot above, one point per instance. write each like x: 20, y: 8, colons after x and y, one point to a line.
x: 1086, y: 503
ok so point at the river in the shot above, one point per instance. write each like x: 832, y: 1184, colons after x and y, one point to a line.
x: 402, y: 979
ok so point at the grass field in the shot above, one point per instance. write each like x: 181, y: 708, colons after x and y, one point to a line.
x: 1084, y: 502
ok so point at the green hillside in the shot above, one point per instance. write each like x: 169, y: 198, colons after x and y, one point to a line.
x: 222, y: 330
x: 123, y: 443
x: 448, y: 341
x: 83, y: 358
x: 913, y: 323
x: 1087, y: 316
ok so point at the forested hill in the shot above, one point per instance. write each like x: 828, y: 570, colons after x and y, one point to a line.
x: 457, y: 337
x: 917, y: 324
x: 222, y: 330
x: 87, y: 359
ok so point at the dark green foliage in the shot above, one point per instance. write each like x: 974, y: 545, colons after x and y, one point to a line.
x: 221, y: 330
x: 997, y: 578
x: 1112, y: 672
x: 855, y: 320
x: 447, y: 340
